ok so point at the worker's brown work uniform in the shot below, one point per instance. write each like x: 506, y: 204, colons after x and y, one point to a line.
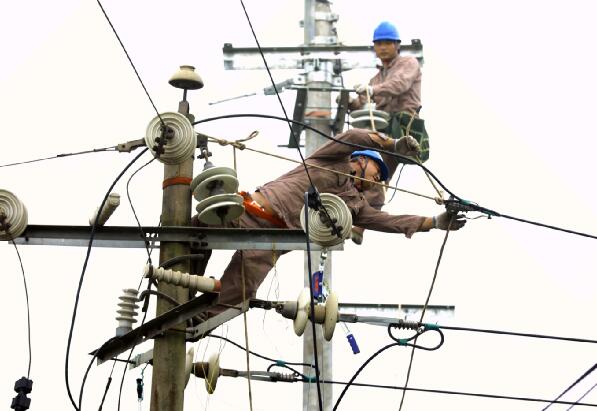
x: 286, y: 197
x: 396, y: 89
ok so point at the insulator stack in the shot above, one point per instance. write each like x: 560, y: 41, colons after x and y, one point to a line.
x: 112, y: 202
x: 176, y: 143
x: 216, y: 190
x: 299, y: 312
x: 190, y: 281
x: 320, y: 228
x: 127, y: 311
x: 13, y: 216
x: 362, y: 118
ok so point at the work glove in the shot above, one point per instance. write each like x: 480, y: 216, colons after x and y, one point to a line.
x: 407, y: 146
x: 442, y: 221
x: 356, y: 235
x: 363, y: 88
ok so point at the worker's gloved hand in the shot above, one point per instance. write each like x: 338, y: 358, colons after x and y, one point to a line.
x: 407, y: 146
x: 357, y: 235
x: 363, y: 88
x: 442, y: 221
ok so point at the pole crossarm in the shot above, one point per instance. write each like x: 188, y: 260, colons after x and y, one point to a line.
x: 156, y: 326
x: 293, y: 58
x: 203, y: 238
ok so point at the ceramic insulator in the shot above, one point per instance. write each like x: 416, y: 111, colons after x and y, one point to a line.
x: 127, y: 312
x: 192, y: 282
x: 14, y: 214
x: 319, y: 232
x: 181, y: 146
x: 110, y: 206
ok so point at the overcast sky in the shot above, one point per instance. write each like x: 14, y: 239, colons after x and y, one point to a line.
x: 508, y: 97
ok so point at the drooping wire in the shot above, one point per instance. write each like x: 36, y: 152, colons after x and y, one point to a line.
x: 27, y: 303
x: 579, y: 379
x: 474, y: 207
x: 312, y: 301
x: 412, y: 353
x: 95, y: 150
x: 263, y: 357
x: 80, y: 285
x: 130, y: 61
x: 128, y: 194
x: 396, y: 184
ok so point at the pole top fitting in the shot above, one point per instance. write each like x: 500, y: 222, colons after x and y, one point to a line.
x: 186, y: 78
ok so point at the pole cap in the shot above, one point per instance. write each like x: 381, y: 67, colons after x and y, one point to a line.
x: 186, y: 78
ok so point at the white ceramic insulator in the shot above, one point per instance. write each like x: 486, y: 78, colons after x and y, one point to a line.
x: 331, y: 316
x: 337, y: 209
x: 110, y: 206
x: 190, y: 281
x: 127, y: 312
x: 302, y: 312
x: 188, y: 367
x: 15, y: 215
x: 362, y: 118
x: 181, y: 146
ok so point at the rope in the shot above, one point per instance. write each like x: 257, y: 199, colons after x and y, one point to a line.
x: 241, y: 146
x: 242, y: 274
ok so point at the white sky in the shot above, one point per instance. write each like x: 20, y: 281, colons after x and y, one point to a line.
x: 508, y: 98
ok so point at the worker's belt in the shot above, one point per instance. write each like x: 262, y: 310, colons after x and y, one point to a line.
x: 255, y: 209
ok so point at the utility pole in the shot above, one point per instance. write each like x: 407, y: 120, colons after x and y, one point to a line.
x: 319, y: 30
x: 168, y: 382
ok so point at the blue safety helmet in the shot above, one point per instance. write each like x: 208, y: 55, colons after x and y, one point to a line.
x: 386, y: 31
x: 375, y: 156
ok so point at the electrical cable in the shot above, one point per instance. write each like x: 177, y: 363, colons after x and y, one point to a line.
x: 80, y: 285
x: 263, y: 357
x: 396, y: 183
x: 516, y: 334
x: 27, y: 303
x: 412, y: 353
x: 582, y: 397
x: 130, y: 61
x: 473, y: 207
x: 95, y: 150
x: 464, y: 393
x: 128, y: 194
x: 579, y: 379
x: 108, y: 383
x: 312, y: 300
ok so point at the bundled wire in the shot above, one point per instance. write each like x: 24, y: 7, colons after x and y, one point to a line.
x: 95, y: 150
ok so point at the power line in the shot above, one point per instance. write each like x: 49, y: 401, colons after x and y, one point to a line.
x: 80, y: 285
x: 27, y: 303
x: 470, y: 206
x: 583, y: 396
x: 130, y: 61
x: 579, y: 379
x: 95, y: 150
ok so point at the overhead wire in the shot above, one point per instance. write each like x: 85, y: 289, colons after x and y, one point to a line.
x: 63, y: 155
x: 99, y: 3
x: 577, y: 402
x: 474, y: 207
x: 84, y: 269
x: 412, y: 352
x: 128, y: 194
x: 579, y: 379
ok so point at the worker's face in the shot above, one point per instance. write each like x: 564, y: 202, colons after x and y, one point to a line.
x: 371, y: 172
x: 386, y: 50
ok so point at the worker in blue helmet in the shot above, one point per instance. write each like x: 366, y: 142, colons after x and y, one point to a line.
x: 395, y: 89
x: 360, y: 161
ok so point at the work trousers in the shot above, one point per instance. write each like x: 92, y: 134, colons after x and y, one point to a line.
x: 257, y: 264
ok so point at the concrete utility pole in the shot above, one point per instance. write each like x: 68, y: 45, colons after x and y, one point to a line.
x: 168, y: 382
x: 319, y: 30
